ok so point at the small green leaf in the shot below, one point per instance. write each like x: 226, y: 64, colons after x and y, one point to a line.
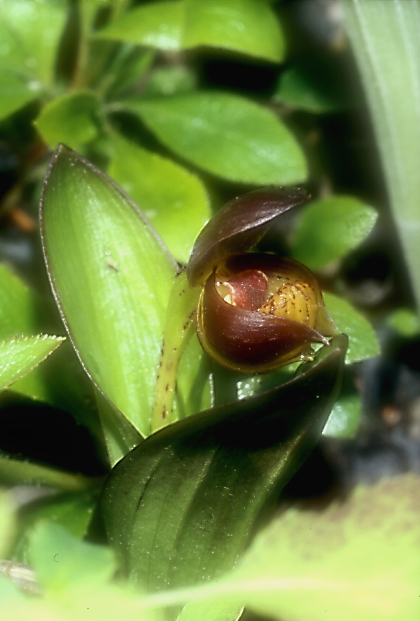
x: 226, y: 135
x: 404, y: 321
x: 344, y: 418
x: 318, y: 85
x: 245, y: 26
x: 179, y: 509
x: 74, y: 118
x: 59, y: 380
x: 19, y: 355
x: 329, y: 228
x: 72, y: 511
x: 30, y: 33
x: 111, y: 276
x: 15, y: 472
x: 363, y: 342
x: 174, y: 200
x: 76, y: 562
x: 15, y: 93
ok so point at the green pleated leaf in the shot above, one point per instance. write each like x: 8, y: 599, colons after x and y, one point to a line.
x: 19, y: 355
x: 15, y: 93
x: 329, y: 228
x: 30, y: 33
x: 179, y: 509
x: 226, y: 135
x: 74, y: 119
x: 174, y: 200
x: 246, y: 26
x: 363, y: 342
x: 111, y: 277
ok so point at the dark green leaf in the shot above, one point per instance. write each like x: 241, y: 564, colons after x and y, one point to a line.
x: 318, y: 85
x: 111, y: 276
x: 329, y: 228
x: 174, y: 200
x: 19, y: 355
x: 74, y: 119
x: 179, y: 509
x: 226, y: 135
x: 245, y: 26
x: 363, y: 342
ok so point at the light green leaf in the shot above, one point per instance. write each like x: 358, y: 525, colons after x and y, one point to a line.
x: 72, y: 511
x: 15, y: 93
x: 74, y: 119
x: 174, y: 200
x: 226, y: 135
x: 15, y: 472
x: 111, y: 276
x: 359, y: 558
x: 30, y: 33
x: 329, y: 228
x: 404, y: 321
x: 19, y: 355
x: 362, y: 338
x: 344, y: 418
x: 59, y: 380
x: 246, y: 26
x: 7, y: 523
x: 76, y: 562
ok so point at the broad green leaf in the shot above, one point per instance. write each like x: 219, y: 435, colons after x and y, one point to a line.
x: 174, y: 200
x: 356, y: 560
x: 386, y: 46
x: 15, y: 93
x: 226, y: 135
x: 111, y: 276
x: 15, y: 472
x: 179, y: 509
x: 30, y: 33
x: 318, y: 85
x: 59, y: 380
x: 72, y: 511
x: 246, y: 26
x: 363, y: 342
x: 7, y: 522
x: 404, y: 321
x: 74, y: 119
x: 344, y: 418
x: 329, y: 228
x: 19, y: 355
